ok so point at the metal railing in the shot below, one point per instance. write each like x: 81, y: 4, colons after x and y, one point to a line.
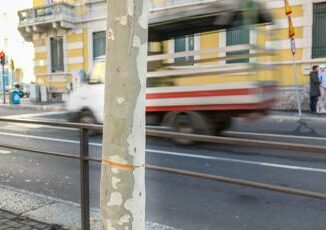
x: 85, y: 159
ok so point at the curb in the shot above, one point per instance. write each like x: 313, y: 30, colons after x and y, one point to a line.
x: 295, y: 116
x: 34, y: 107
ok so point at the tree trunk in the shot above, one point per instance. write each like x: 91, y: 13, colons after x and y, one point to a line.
x: 123, y: 156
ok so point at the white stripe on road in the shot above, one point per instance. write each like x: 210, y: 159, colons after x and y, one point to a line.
x: 180, y: 154
x: 274, y: 135
x: 39, y: 114
x: 258, y: 163
x: 36, y: 126
x: 45, y: 138
x: 4, y: 152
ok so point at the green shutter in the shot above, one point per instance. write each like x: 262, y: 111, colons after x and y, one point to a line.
x: 99, y: 44
x: 56, y: 46
x: 237, y: 36
x: 319, y: 30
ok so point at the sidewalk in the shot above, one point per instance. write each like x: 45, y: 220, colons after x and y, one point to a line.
x: 11, y: 221
x: 17, y: 205
x: 34, y: 210
x: 293, y: 115
x: 27, y: 105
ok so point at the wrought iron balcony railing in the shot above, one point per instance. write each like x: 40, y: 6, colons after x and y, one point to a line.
x: 55, y: 15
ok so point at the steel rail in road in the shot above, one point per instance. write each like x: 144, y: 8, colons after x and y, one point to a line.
x: 263, y: 135
x: 241, y: 182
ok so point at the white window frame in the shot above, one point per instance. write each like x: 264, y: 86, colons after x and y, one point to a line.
x: 92, y: 41
x: 92, y: 27
x: 65, y: 57
x: 171, y: 47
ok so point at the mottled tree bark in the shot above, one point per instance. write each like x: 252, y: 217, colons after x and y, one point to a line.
x: 123, y: 156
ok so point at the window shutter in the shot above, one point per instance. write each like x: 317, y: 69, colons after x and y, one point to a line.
x: 56, y: 47
x: 53, y: 45
x: 319, y: 31
x: 99, y: 44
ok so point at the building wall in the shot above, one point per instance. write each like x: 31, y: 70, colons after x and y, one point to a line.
x: 281, y: 42
x: 39, y: 3
x: 78, y: 43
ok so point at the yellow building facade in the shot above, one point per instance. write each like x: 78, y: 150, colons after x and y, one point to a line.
x: 62, y: 34
x: 68, y: 36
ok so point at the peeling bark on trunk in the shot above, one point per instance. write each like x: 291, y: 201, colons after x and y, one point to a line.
x: 123, y: 173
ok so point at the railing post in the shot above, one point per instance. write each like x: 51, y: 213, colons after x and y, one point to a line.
x: 84, y: 180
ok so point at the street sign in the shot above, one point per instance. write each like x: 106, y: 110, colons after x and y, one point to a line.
x: 293, y: 47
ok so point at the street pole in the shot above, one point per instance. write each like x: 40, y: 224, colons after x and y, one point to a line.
x: 288, y: 13
x: 122, y: 192
x: 3, y: 84
x: 296, y: 82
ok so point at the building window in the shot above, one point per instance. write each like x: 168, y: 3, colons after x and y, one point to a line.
x: 237, y: 36
x: 99, y: 44
x: 6, y: 43
x: 4, y: 17
x: 319, y: 32
x: 181, y: 44
x: 57, y: 61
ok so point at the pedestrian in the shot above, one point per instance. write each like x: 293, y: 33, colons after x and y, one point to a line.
x: 322, y: 99
x: 314, y: 88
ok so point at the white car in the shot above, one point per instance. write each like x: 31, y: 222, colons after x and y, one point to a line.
x: 86, y: 105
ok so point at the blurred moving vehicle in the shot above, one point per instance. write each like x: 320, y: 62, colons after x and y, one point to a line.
x: 86, y: 105
x: 187, y: 94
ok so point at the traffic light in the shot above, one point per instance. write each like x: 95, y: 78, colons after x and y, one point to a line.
x: 2, y: 58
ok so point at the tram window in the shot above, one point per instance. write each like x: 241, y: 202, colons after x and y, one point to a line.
x: 181, y: 44
x: 237, y: 36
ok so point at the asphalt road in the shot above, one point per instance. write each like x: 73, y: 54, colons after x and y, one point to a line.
x: 179, y: 201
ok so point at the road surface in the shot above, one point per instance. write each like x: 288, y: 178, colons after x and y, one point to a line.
x: 180, y: 201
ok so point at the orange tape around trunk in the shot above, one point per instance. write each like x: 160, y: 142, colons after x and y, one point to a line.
x: 114, y: 165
